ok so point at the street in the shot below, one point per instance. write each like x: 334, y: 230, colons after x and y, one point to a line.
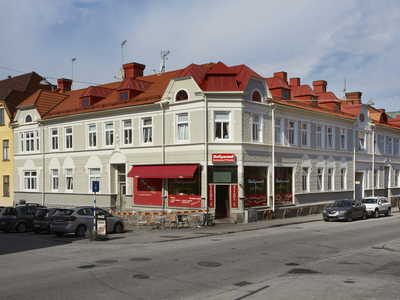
x: 319, y: 260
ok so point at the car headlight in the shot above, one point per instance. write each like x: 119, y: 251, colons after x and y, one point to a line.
x: 324, y: 212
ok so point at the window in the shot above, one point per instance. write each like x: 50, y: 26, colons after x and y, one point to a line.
x: 376, y: 178
x: 361, y: 142
x: 222, y: 125
x: 304, y: 134
x: 54, y: 138
x: 390, y: 146
x: 285, y: 94
x: 94, y: 175
x: 256, y: 96
x: 147, y: 131
x: 29, y: 141
x: 383, y: 145
x: 343, y: 145
x: 331, y: 144
x: 256, y: 127
x: 2, y: 121
x: 92, y: 136
x: 292, y: 133
x: 375, y: 145
x: 6, y: 150
x: 85, y: 102
x: 305, y: 179
x: 397, y: 147
x: 123, y: 96
x: 54, y: 180
x: 127, y: 134
x: 396, y: 178
x: 68, y: 138
x: 320, y: 136
x: 183, y: 127
x: 278, y: 131
x: 109, y: 133
x: 30, y: 180
x: 6, y: 185
x: 320, y: 179
x: 330, y: 179
x: 342, y: 179
x: 28, y: 119
x: 181, y: 95
x: 69, y: 180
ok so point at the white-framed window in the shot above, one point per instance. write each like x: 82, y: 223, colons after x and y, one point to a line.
x: 390, y: 146
x: 54, y: 138
x: 331, y: 140
x: 304, y: 178
x: 343, y: 178
x: 94, y: 175
x: 397, y: 147
x: 127, y: 132
x: 343, y: 138
x: 37, y: 140
x: 320, y: 179
x: 278, y: 131
x: 147, y: 129
x: 320, y: 136
x: 361, y: 142
x: 68, y: 137
x: 182, y: 121
x: 29, y: 141
x: 396, y: 178
x: 30, y: 180
x: 305, y: 134
x: 54, y: 180
x: 383, y: 145
x: 92, y: 136
x: 376, y: 179
x: 6, y: 150
x: 375, y: 145
x: 256, y: 128
x: 330, y: 179
x: 109, y: 134
x: 69, y: 180
x: 292, y: 133
x: 222, y: 128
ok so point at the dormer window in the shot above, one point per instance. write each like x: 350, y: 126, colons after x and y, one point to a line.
x: 181, y: 95
x: 256, y: 96
x: 28, y: 119
x: 85, y: 102
x: 123, y: 96
x: 285, y: 94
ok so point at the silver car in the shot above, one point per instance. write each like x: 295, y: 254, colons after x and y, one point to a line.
x: 79, y: 219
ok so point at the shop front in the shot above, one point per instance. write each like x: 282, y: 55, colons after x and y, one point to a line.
x: 283, y: 185
x: 255, y: 187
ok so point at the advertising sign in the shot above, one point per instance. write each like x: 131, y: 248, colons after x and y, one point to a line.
x: 234, y: 196
x: 256, y: 200
x: 211, y: 196
x: 184, y: 200
x: 147, y: 191
x: 223, y: 157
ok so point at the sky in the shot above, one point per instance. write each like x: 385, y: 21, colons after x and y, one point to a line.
x: 352, y: 44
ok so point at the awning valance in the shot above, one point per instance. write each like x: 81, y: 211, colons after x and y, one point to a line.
x: 163, y: 171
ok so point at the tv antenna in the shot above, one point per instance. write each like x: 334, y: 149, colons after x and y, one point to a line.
x: 72, y: 77
x: 344, y: 90
x: 122, y: 49
x: 164, y: 57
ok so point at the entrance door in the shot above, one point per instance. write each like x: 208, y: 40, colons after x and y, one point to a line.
x: 121, y: 194
x: 359, y: 177
x: 221, y: 201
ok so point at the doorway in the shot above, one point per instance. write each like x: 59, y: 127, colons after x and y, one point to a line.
x: 359, y: 180
x: 221, y: 201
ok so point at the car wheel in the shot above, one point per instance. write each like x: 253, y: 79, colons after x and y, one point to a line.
x: 389, y: 212
x: 117, y: 228
x: 364, y: 216
x: 21, y: 227
x: 376, y: 213
x: 80, y: 231
x: 59, y: 233
x: 350, y: 218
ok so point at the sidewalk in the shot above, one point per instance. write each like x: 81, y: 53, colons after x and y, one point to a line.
x: 134, y: 235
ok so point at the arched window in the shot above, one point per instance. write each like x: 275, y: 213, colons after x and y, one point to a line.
x: 181, y: 95
x: 256, y: 96
x: 28, y: 119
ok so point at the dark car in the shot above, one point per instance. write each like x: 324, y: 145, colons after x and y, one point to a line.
x: 17, y: 218
x: 43, y: 219
x: 345, y: 210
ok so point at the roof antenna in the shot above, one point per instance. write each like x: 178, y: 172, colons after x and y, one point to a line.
x: 344, y: 91
x: 164, y: 57
x: 122, y: 48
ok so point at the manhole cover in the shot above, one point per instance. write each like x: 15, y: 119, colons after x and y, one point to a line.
x: 107, y: 261
x: 87, y: 266
x: 301, y: 271
x: 209, y: 264
x: 292, y: 264
x: 140, y: 259
x: 141, y: 276
x: 243, y: 283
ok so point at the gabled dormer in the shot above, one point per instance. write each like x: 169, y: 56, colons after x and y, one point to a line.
x: 303, y: 92
x: 92, y: 95
x: 278, y: 86
x: 132, y: 88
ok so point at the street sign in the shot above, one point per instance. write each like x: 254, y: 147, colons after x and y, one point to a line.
x: 96, y: 186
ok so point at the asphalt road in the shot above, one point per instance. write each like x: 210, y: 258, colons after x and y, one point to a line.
x: 319, y: 260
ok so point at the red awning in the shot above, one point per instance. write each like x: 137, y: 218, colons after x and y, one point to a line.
x: 163, y: 171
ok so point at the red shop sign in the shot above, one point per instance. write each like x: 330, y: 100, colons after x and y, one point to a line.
x: 211, y: 196
x: 234, y: 196
x: 223, y: 157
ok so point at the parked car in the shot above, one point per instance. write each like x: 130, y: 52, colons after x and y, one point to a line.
x: 42, y: 219
x: 345, y: 210
x: 17, y: 218
x: 1, y: 209
x: 377, y: 205
x: 78, y: 219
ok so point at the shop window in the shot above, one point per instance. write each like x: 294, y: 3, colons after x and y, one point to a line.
x: 222, y: 174
x: 283, y: 185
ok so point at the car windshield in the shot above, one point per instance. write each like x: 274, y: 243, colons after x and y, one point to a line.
x: 369, y: 200
x: 64, y: 212
x: 341, y: 203
x: 7, y: 211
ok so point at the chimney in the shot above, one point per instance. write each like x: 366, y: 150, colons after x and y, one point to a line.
x: 354, y: 97
x: 320, y: 86
x: 9, y: 77
x: 64, y: 84
x: 382, y: 110
x: 133, y: 70
x: 295, y: 81
x: 282, y: 75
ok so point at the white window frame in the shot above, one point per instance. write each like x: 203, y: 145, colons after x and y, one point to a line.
x: 320, y: 179
x: 390, y: 145
x: 92, y: 136
x: 305, y: 134
x: 396, y: 178
x: 292, y: 133
x: 305, y: 173
x: 278, y: 131
x: 343, y: 177
x: 54, y: 140
x: 93, y: 176
x: 182, y: 127
x: 68, y: 138
x: 147, y: 131
x: 108, y: 134
x: 397, y: 147
x: 29, y: 140
x: 256, y: 129
x: 375, y: 145
x: 127, y: 132
x: 222, y: 125
x: 331, y: 182
x: 376, y: 179
x: 30, y: 179
x: 69, y: 180
x: 343, y: 139
x: 331, y: 138
x: 54, y: 180
x: 320, y: 136
x: 6, y: 149
x: 383, y: 145
x: 361, y: 142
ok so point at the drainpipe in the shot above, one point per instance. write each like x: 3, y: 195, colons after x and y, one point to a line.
x: 163, y: 148
x: 206, y: 150
x: 273, y: 106
x: 43, y: 161
x: 373, y: 159
x: 354, y: 158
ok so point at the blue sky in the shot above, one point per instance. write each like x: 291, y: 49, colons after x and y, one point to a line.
x: 338, y: 40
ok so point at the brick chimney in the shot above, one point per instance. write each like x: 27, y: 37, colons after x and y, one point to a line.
x: 282, y: 75
x: 353, y: 98
x: 295, y: 81
x: 320, y: 86
x: 64, y: 84
x: 133, y: 70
